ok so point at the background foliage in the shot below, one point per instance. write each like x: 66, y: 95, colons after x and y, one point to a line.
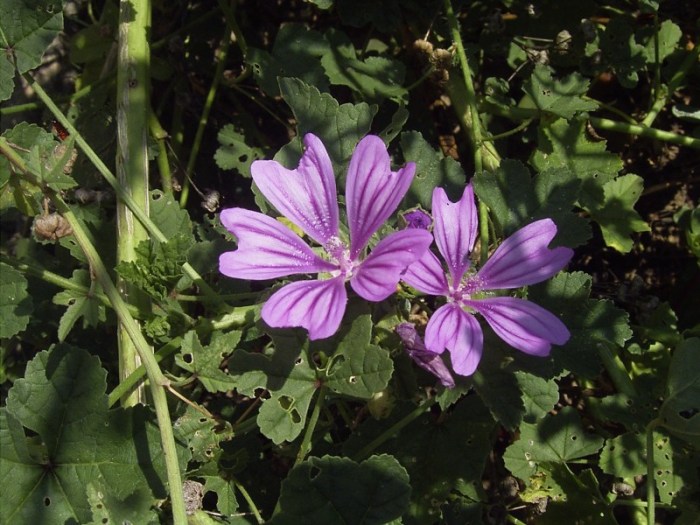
x: 587, y: 114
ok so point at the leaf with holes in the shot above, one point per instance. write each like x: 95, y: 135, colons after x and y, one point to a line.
x: 561, y: 97
x: 76, y: 441
x: 553, y: 440
x: 289, y: 377
x: 621, y: 52
x: 26, y: 30
x: 80, y: 305
x: 338, y: 490
x: 205, y: 362
x: 297, y: 52
x: 358, y: 368
x: 234, y: 153
x: 432, y: 169
x: 680, y: 411
x: 16, y: 305
x: 202, y: 434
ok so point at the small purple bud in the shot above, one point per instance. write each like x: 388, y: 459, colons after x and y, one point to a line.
x: 427, y: 360
x: 418, y: 219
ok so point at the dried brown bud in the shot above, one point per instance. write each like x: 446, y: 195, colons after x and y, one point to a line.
x: 51, y: 227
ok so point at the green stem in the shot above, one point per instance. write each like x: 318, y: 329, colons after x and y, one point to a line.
x: 616, y: 369
x: 122, y: 194
x: 137, y: 375
x: 675, y: 82
x: 250, y: 502
x: 160, y: 136
x: 133, y: 108
x: 510, y: 132
x: 220, y: 55
x: 651, y: 485
x: 516, y: 113
x: 157, y: 380
x: 474, y: 127
x: 394, y: 429
x: 62, y: 282
x: 305, y: 446
x: 643, y: 131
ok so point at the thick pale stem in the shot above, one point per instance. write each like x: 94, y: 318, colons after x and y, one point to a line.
x: 132, y: 160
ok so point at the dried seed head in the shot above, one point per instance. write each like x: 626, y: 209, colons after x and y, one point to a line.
x: 51, y: 227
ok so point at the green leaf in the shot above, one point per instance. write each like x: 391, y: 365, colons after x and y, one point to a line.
x: 358, y: 13
x: 135, y: 508
x: 226, y: 501
x: 80, y: 305
x: 169, y: 216
x: 616, y: 217
x: 669, y: 36
x: 433, y: 169
x: 553, y: 440
x: 78, y: 443
x: 203, y: 434
x: 373, y: 78
x: 205, y: 362
x: 539, y: 395
x: 16, y: 305
x: 233, y: 152
x: 338, y: 490
x: 621, y: 52
x: 566, y: 144
x: 438, y: 452
x: 559, y: 97
x: 516, y: 199
x: 27, y: 27
x: 358, y: 368
x: 588, y: 320
x: 297, y: 52
x: 680, y: 411
x: 289, y: 377
x: 340, y: 127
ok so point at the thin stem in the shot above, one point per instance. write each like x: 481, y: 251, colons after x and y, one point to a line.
x: 153, y: 230
x: 62, y: 282
x: 394, y: 429
x: 156, y: 378
x: 616, y: 369
x: 675, y: 82
x: 510, y: 132
x: 137, y: 375
x: 474, y: 124
x: 651, y: 485
x: 249, y: 501
x: 611, y: 109
x: 160, y: 136
x: 305, y: 446
x: 220, y: 55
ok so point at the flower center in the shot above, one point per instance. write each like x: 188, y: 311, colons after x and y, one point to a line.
x: 464, y: 290
x: 339, y: 253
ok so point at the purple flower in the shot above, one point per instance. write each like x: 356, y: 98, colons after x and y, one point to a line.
x: 416, y: 350
x: 306, y: 196
x: 522, y: 259
x: 417, y: 219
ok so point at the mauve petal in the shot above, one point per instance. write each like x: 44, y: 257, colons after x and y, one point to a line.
x: 522, y: 324
x: 372, y: 190
x: 377, y: 276
x: 455, y: 229
x: 427, y: 275
x: 524, y: 258
x: 317, y: 306
x: 452, y: 328
x: 267, y: 249
x: 307, y: 195
x: 423, y: 357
